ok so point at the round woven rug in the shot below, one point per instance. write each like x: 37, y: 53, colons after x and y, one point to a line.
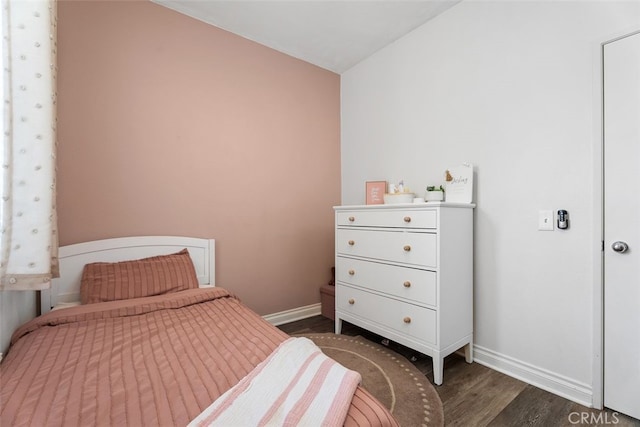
x: 390, y: 377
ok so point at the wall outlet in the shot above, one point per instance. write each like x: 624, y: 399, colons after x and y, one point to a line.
x: 545, y: 220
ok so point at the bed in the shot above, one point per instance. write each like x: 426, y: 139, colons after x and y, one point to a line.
x: 156, y: 359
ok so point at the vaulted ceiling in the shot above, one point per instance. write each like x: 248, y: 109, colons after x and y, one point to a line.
x: 332, y: 34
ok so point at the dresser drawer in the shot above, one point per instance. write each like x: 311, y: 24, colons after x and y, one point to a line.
x: 404, y: 282
x: 408, y: 319
x: 395, y: 246
x: 388, y: 218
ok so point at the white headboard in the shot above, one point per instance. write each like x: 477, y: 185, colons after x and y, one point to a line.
x: 73, y: 258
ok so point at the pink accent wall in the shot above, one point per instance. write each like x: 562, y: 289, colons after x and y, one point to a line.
x: 169, y: 126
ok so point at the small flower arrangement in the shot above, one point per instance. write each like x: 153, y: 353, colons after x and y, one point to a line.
x: 434, y: 194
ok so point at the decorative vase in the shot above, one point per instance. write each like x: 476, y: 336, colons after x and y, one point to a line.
x: 434, y: 196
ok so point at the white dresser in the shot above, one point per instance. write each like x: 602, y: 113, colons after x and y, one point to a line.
x: 406, y: 272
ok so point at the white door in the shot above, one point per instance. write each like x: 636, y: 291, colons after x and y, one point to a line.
x: 622, y: 225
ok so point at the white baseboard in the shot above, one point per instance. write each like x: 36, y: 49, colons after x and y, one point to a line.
x: 554, y: 383
x: 293, y: 314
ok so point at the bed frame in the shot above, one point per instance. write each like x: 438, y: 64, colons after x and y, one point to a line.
x: 66, y: 289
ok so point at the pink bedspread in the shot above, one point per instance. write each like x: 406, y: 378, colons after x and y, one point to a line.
x: 151, y: 361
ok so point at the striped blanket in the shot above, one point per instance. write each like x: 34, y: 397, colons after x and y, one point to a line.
x: 296, y: 385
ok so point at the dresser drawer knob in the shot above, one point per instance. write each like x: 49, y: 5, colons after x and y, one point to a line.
x: 352, y: 272
x: 351, y: 301
x: 351, y: 242
x: 407, y: 219
x: 352, y: 218
x: 407, y: 319
x: 407, y: 248
x: 407, y: 284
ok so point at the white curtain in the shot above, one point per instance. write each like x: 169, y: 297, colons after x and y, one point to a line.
x: 28, y: 223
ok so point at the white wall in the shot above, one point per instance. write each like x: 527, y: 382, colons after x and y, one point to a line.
x: 16, y: 308
x: 511, y: 87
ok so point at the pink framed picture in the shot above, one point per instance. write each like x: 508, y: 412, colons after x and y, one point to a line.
x: 375, y: 192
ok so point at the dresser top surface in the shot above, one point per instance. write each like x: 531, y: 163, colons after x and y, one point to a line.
x: 406, y: 206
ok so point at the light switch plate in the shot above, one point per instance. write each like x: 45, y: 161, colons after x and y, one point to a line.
x: 545, y: 220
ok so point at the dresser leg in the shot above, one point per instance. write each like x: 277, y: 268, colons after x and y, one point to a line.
x: 438, y: 368
x: 338, y: 325
x: 468, y: 352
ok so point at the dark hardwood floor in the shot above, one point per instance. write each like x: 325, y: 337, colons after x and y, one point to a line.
x: 474, y: 395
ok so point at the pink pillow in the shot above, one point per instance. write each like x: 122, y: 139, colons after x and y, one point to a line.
x: 110, y: 281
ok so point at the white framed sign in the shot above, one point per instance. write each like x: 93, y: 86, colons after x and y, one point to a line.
x: 459, y: 183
